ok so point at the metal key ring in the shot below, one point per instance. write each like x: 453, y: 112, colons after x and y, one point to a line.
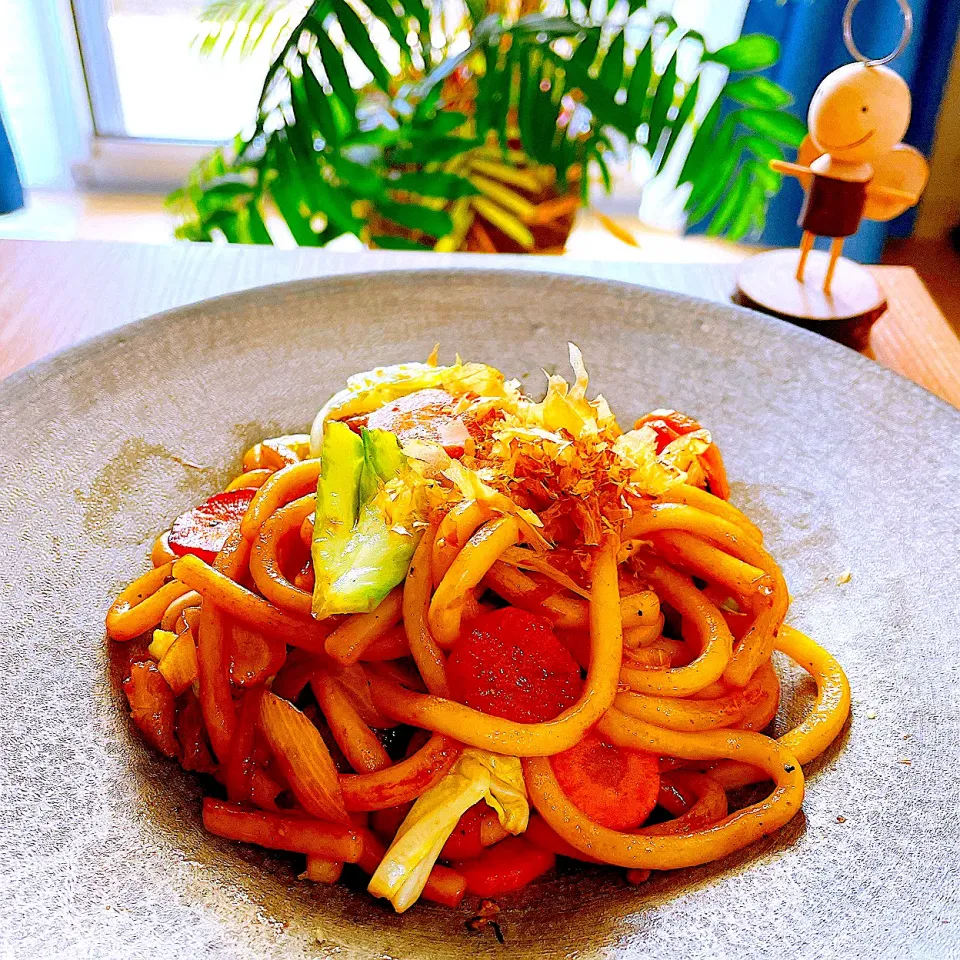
x: 852, y: 45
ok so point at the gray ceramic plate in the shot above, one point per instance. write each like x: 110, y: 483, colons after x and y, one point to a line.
x: 844, y: 465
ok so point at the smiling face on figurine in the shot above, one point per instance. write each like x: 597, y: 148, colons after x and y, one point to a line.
x: 859, y: 113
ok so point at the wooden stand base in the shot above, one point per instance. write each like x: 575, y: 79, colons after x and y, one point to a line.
x: 768, y: 282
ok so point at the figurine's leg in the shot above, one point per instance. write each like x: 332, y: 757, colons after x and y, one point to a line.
x: 806, y: 245
x: 836, y: 247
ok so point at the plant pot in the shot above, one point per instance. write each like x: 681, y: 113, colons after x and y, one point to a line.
x: 557, y: 213
x: 512, y: 217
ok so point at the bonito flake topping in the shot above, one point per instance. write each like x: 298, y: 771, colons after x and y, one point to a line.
x: 563, y: 464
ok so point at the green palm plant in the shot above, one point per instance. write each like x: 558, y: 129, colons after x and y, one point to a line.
x: 482, y: 130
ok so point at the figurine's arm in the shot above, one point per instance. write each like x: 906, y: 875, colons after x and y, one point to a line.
x: 790, y: 169
x: 892, y: 193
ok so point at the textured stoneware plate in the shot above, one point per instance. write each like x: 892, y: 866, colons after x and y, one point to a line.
x: 844, y: 465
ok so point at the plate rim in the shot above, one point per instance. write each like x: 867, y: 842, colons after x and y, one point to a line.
x: 44, y: 367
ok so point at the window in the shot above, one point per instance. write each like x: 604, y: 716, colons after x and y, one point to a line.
x: 146, y: 77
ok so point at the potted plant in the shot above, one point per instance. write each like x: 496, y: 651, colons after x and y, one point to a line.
x: 481, y: 131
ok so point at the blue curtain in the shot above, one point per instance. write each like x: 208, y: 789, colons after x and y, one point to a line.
x: 811, y: 37
x: 11, y: 192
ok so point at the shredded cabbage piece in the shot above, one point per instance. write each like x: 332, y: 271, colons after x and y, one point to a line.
x: 638, y: 450
x: 369, y: 506
x: 540, y: 563
x: 683, y: 454
x: 477, y: 775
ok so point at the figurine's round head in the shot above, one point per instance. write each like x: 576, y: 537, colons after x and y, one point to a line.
x: 859, y: 112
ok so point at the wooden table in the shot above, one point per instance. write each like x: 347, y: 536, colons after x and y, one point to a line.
x: 53, y: 294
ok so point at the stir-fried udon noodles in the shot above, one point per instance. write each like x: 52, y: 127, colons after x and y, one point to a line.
x: 454, y: 634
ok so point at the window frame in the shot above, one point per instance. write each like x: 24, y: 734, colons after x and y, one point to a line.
x: 90, y: 19
x: 113, y: 160
x: 127, y: 164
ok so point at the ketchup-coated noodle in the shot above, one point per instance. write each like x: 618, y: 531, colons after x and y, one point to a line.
x: 634, y: 610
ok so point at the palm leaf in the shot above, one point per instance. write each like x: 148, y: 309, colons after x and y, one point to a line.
x: 476, y: 9
x: 753, y: 51
x: 504, y: 197
x: 337, y: 124
x: 597, y: 156
x: 250, y: 224
x: 527, y: 101
x: 399, y: 243
x: 662, y: 101
x: 702, y: 146
x: 763, y: 148
x: 449, y: 186
x: 222, y: 22
x: 503, y: 96
x: 384, y: 12
x: 758, y: 91
x: 611, y: 70
x: 753, y: 196
x: 639, y: 85
x: 487, y: 32
x: 335, y: 205
x: 432, y: 151
x: 776, y: 124
x: 507, y: 174
x: 586, y: 52
x: 599, y: 10
x: 534, y: 25
x: 417, y: 10
x: 676, y: 128
x: 549, y: 93
x: 288, y: 193
x: 356, y: 35
x: 413, y: 216
x: 600, y: 103
x: 504, y: 221
x: 332, y: 61
x: 714, y: 189
x: 358, y: 177
x: 443, y: 123
x: 712, y: 176
x: 305, y: 115
x: 732, y: 201
x: 320, y: 146
x: 260, y: 27
x: 483, y: 108
x: 224, y: 194
x: 768, y: 179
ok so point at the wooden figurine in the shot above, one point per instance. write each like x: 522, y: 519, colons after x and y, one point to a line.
x: 852, y: 163
x: 852, y: 166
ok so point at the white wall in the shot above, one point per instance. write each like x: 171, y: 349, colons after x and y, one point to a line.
x: 41, y: 91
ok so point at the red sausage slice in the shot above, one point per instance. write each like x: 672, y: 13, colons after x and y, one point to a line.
x: 204, y: 530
